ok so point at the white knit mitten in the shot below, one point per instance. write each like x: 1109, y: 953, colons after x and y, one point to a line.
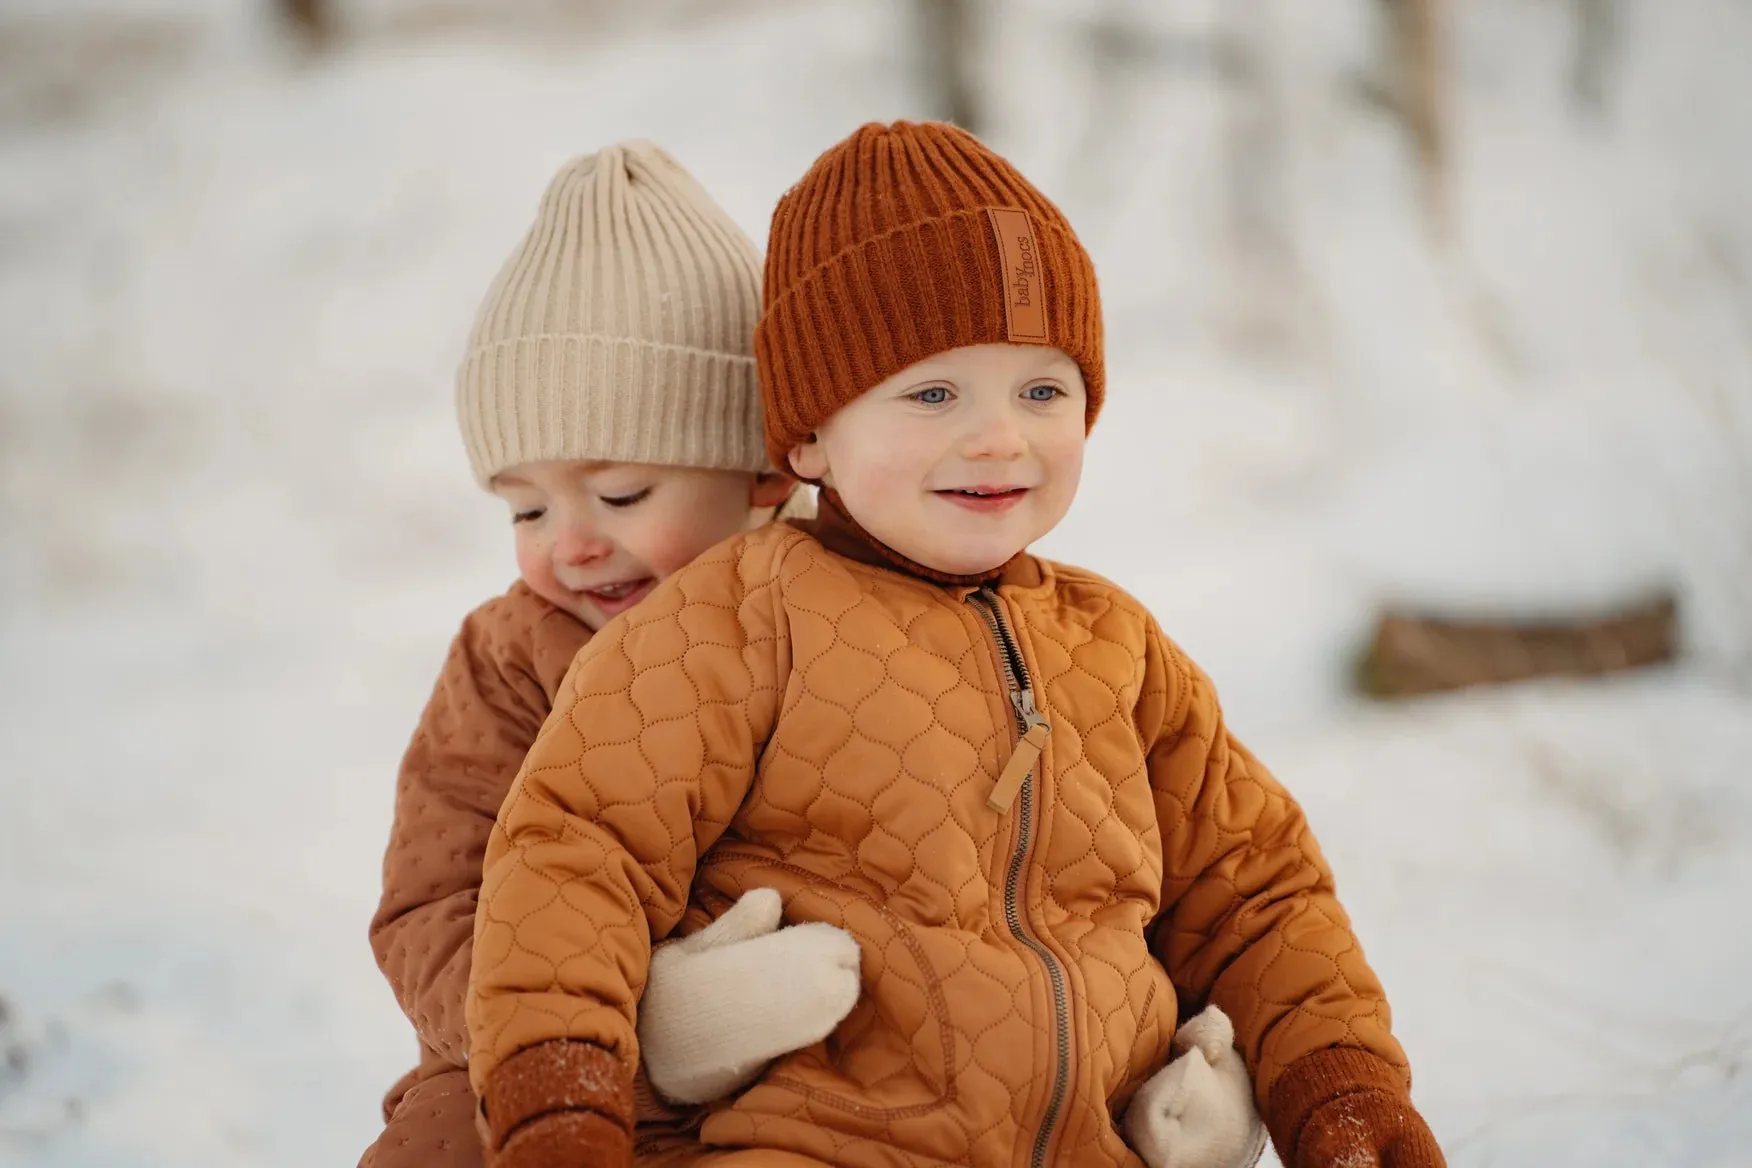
x: 723, y: 1003
x: 1198, y: 1112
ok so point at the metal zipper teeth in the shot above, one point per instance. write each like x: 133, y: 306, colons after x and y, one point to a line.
x: 1013, y: 915
x: 1021, y: 698
x: 1015, y: 669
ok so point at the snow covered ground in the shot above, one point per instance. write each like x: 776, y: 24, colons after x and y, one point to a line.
x: 238, y: 530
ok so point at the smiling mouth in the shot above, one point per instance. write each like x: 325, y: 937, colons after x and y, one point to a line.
x: 616, y: 591
x: 984, y: 498
x: 612, y: 599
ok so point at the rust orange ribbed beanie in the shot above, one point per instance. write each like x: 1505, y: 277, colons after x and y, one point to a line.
x: 902, y: 242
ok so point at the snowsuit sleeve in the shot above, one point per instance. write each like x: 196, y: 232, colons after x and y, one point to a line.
x: 1250, y: 919
x: 651, y: 747
x: 484, y: 714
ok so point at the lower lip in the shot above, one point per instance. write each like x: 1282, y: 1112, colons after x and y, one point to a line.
x: 984, y: 504
x: 619, y: 604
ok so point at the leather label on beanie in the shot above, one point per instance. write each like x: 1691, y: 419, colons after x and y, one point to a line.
x: 1024, y: 290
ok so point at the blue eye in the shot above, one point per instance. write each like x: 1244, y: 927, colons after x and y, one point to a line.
x: 1044, y: 393
x: 932, y: 395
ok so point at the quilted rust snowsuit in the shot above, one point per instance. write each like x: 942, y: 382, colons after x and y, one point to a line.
x: 496, y: 688
x: 791, y: 711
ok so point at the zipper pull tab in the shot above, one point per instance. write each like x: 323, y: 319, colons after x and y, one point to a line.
x: 1021, y: 763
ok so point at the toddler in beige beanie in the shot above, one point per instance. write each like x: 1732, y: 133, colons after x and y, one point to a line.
x: 608, y: 395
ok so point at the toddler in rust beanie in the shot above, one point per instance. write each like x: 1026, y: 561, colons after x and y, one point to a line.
x: 1093, y: 928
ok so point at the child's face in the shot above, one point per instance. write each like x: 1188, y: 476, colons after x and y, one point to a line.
x: 962, y: 460
x: 593, y: 538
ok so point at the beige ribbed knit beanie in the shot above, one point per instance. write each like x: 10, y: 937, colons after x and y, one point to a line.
x: 621, y: 329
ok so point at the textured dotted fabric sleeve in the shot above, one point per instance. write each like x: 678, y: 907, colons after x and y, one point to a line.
x: 483, y: 715
x: 1250, y: 919
x: 648, y: 753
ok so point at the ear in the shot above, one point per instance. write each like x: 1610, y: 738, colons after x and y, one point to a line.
x: 808, y: 460
x: 770, y: 489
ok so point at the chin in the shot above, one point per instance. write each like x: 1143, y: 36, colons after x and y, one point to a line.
x: 954, y: 548
x: 961, y: 561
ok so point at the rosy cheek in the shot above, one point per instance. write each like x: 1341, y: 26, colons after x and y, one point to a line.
x: 671, y: 542
x: 875, y: 478
x: 535, y: 563
x: 1070, y: 459
x: 671, y: 550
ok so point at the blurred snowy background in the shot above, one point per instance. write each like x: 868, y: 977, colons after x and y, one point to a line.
x: 1509, y: 372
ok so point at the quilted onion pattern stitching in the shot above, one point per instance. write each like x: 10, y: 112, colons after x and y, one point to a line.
x: 496, y: 686
x: 777, y: 716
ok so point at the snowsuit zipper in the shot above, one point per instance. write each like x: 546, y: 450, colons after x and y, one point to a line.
x: 1032, y: 730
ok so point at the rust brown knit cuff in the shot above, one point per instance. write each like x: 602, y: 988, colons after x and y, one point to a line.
x: 575, y: 1081
x: 1317, y: 1079
x: 570, y: 1139
x: 1368, y: 1127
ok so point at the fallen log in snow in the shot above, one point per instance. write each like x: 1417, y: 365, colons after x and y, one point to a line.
x: 1415, y: 654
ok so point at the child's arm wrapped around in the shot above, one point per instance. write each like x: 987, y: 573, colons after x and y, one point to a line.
x: 1252, y: 924
x: 710, y: 1025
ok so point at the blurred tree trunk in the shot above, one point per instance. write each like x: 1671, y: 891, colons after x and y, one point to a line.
x: 1416, y: 83
x: 1264, y: 274
x: 310, y: 19
x: 1256, y: 125
x: 1596, y: 55
x: 949, y: 39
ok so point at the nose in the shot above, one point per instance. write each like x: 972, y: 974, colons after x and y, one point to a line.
x: 994, y: 436
x: 578, y: 544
